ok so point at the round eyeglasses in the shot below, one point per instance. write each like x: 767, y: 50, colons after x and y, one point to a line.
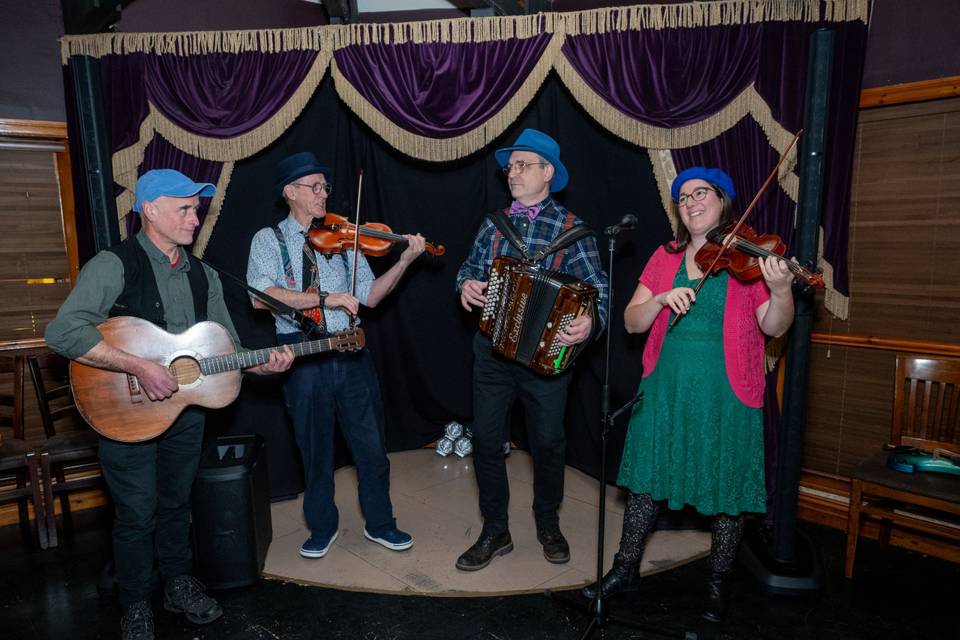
x: 316, y: 187
x: 519, y: 165
x: 697, y: 195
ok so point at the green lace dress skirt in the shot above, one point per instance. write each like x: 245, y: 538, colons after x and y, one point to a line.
x: 691, y: 440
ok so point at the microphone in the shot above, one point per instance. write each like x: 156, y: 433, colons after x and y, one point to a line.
x: 628, y: 222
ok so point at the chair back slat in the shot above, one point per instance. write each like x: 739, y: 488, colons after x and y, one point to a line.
x: 11, y: 395
x: 51, y: 381
x: 925, y: 408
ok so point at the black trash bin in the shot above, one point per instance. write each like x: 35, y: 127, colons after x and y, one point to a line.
x: 232, y: 529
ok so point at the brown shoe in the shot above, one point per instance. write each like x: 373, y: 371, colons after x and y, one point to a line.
x: 555, y: 547
x: 485, y: 549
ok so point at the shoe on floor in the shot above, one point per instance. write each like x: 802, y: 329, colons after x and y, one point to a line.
x: 486, y: 548
x: 317, y: 546
x: 185, y: 594
x: 394, y: 539
x: 555, y: 547
x: 137, y: 622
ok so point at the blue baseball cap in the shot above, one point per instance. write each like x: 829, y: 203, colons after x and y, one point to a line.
x: 713, y: 176
x: 168, y: 182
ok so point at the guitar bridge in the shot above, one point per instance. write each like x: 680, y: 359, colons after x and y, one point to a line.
x: 136, y: 393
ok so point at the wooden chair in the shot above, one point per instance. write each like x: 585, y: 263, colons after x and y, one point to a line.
x: 71, y: 456
x: 19, y: 470
x: 925, y: 415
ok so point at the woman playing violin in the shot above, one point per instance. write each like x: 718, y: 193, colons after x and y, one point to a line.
x: 697, y: 435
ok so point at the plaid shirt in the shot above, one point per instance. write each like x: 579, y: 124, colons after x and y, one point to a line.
x: 581, y: 259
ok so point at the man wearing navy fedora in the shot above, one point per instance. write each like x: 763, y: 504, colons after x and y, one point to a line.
x: 152, y: 276
x: 534, y: 172
x: 331, y: 388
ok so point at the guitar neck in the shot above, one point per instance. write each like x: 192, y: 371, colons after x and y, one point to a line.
x: 254, y: 357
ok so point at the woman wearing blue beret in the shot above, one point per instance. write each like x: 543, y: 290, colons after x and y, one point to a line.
x: 697, y: 435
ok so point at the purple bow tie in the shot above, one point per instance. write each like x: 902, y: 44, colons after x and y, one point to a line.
x: 518, y: 208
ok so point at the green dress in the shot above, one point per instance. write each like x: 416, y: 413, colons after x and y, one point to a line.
x: 691, y: 440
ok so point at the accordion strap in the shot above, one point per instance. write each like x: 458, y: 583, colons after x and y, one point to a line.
x: 502, y: 222
x: 564, y: 240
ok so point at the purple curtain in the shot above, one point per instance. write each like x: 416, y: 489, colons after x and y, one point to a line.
x: 667, y: 78
x: 440, y: 90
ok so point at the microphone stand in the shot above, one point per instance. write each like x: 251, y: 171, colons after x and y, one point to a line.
x: 601, y: 615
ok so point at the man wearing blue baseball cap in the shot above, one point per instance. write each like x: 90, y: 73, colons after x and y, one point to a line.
x: 534, y: 171
x: 152, y: 276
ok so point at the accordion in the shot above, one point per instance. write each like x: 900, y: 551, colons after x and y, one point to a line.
x: 526, y: 310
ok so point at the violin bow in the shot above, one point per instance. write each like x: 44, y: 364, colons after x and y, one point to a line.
x: 356, y: 247
x: 731, y: 235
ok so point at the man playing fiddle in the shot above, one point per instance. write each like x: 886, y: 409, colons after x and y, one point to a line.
x: 339, y: 387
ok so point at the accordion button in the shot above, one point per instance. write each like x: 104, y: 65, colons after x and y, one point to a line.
x: 549, y: 325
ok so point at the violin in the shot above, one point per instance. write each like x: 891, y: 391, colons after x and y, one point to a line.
x: 740, y: 256
x: 337, y: 234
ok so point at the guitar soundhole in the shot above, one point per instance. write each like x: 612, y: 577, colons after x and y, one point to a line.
x: 186, y: 370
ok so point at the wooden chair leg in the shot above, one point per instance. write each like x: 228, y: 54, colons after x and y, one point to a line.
x: 853, y: 526
x: 48, y: 499
x: 38, y: 505
x: 65, y: 516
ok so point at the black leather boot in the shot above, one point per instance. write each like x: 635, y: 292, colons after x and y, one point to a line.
x: 716, y: 597
x: 622, y: 577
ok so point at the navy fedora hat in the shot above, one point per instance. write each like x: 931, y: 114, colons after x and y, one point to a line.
x: 544, y: 146
x: 296, y: 166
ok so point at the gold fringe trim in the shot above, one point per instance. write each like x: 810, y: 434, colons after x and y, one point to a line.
x: 835, y: 302
x: 462, y: 30
x: 253, y: 141
x: 213, y: 213
x: 665, y: 171
x: 444, y: 149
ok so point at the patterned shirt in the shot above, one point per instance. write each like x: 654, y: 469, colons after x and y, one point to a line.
x: 580, y: 260
x: 265, y: 269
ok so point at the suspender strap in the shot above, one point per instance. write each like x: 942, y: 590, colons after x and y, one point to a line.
x: 285, y: 254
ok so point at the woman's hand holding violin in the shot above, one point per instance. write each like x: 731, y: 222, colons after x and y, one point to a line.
x: 679, y: 299
x: 777, y: 275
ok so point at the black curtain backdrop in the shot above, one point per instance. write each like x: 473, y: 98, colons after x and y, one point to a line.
x: 419, y: 336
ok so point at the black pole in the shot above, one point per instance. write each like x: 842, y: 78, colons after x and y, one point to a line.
x: 94, y: 146
x: 809, y: 206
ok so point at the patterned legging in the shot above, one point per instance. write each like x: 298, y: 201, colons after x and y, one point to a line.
x: 640, y: 516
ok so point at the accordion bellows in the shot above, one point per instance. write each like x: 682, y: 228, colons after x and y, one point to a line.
x: 526, y: 309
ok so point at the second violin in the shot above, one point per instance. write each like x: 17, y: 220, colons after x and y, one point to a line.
x: 337, y: 234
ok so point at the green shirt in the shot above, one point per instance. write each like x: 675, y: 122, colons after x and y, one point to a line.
x: 74, y: 331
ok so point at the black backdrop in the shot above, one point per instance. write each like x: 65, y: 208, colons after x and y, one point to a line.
x: 419, y: 336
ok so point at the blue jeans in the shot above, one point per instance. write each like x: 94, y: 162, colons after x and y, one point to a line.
x: 150, y: 486
x: 321, y: 391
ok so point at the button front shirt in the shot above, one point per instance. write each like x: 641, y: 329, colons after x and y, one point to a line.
x: 265, y: 269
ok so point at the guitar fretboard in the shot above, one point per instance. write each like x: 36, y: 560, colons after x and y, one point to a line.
x: 252, y: 358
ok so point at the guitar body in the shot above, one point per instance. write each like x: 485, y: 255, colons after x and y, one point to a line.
x: 114, y: 404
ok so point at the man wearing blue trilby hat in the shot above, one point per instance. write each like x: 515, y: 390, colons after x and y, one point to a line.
x: 534, y: 171
x: 337, y: 388
x: 151, y: 276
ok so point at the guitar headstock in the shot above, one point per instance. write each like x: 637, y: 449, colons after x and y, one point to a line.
x: 352, y: 340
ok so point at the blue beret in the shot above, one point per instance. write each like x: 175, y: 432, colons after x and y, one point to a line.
x: 711, y: 175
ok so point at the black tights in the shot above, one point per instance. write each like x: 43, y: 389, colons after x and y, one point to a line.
x: 640, y: 516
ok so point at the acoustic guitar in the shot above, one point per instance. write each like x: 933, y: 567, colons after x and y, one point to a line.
x: 203, y: 360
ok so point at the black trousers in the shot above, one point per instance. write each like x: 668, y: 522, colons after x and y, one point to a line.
x: 150, y: 486
x: 496, y: 384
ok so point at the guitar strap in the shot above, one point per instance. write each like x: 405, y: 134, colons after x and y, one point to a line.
x: 307, y: 324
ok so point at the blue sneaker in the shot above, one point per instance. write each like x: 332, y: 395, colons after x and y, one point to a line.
x: 316, y: 546
x: 394, y: 539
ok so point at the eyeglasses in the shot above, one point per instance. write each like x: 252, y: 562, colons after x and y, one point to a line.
x: 698, y: 194
x: 519, y: 165
x: 316, y: 187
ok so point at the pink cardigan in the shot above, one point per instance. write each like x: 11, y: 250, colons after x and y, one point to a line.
x: 742, y: 339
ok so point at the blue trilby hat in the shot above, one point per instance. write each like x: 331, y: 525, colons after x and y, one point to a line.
x: 709, y: 174
x: 542, y: 145
x: 296, y: 166
x: 167, y: 182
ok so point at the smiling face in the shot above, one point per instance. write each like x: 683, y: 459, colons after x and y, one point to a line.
x: 531, y: 185
x: 701, y: 216
x: 302, y: 199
